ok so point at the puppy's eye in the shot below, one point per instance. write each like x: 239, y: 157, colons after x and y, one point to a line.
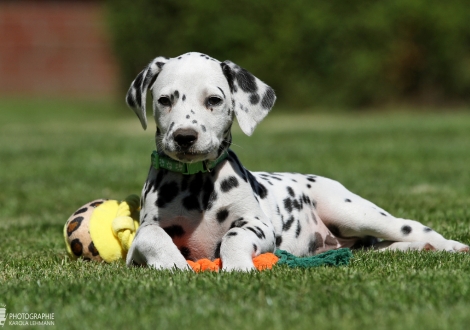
x: 213, y: 101
x: 165, y: 101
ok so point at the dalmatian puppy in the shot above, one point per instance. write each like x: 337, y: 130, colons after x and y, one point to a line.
x: 200, y: 202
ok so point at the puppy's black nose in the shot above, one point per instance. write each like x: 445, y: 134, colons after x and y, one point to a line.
x: 185, y: 137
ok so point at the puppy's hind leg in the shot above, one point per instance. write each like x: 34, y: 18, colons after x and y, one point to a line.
x: 348, y: 215
x: 403, y: 246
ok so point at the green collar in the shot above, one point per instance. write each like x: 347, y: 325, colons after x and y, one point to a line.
x: 162, y: 161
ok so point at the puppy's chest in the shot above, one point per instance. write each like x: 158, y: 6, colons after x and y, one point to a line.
x: 167, y: 195
x: 195, y: 210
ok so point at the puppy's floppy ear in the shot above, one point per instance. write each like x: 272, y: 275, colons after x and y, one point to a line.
x: 252, y: 99
x: 137, y: 93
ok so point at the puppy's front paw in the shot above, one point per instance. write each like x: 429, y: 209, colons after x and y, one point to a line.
x: 237, y: 265
x: 168, y: 264
x: 153, y: 247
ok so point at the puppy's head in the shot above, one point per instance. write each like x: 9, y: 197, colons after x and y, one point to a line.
x: 195, y: 99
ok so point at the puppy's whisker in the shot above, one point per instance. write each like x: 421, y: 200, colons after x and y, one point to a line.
x: 236, y: 145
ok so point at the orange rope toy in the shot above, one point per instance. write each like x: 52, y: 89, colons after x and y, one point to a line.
x: 261, y: 262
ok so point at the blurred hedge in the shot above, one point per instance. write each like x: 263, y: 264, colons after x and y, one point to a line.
x: 331, y: 52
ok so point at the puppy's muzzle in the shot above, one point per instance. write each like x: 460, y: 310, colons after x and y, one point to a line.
x: 185, y: 137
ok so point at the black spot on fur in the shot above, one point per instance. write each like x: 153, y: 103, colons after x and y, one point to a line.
x: 93, y: 250
x: 311, y: 179
x: 142, y: 220
x: 260, y: 231
x: 305, y: 199
x: 174, y: 231
x: 288, y: 223
x: 406, y: 230
x: 232, y: 233
x: 262, y: 191
x: 316, y: 242
x: 212, y: 199
x: 185, y: 182
x: 288, y: 205
x: 191, y: 202
x: 160, y: 64
x: 427, y: 229
x: 138, y: 84
x: 150, y: 80
x: 167, y: 193
x: 257, y: 231
x: 228, y: 184
x: 314, y: 218
x: 268, y: 99
x: 383, y: 214
x: 194, y: 121
x: 130, y: 100
x: 77, y: 247
x: 290, y: 191
x: 222, y: 215
x: 187, y: 117
x: 217, y: 250
x: 177, y: 94
x: 208, y: 194
x: 257, y: 187
x: 184, y: 97
x: 246, y: 81
x: 228, y: 75
x: 297, y: 205
x: 185, y: 251
x: 238, y: 223
x: 309, y: 186
x: 347, y: 200
x: 148, y: 186
x: 254, y: 98
x: 203, y: 128
x: 298, y: 230
x: 278, y: 241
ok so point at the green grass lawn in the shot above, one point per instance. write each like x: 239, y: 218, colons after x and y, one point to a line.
x: 57, y: 155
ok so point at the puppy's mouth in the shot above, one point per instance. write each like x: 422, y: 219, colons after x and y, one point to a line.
x: 190, y: 156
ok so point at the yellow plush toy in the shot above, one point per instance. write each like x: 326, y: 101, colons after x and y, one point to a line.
x: 102, y: 230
